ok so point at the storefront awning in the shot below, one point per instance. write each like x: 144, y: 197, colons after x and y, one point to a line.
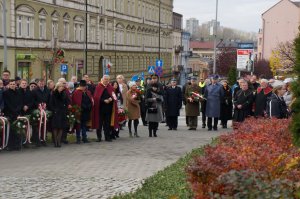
x: 26, y: 57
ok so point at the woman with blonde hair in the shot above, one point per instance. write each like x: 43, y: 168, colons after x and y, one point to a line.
x: 59, y: 106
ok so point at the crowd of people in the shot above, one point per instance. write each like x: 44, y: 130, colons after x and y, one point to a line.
x: 111, y: 105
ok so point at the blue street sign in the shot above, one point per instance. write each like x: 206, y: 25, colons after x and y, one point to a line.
x: 64, y: 68
x: 151, y: 70
x: 142, y: 76
x: 159, y: 63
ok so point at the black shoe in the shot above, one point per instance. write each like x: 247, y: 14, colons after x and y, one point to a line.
x: 210, y: 129
x: 215, y: 129
x: 65, y: 142
x: 145, y: 124
x: 78, y: 142
x: 85, y: 141
x: 98, y: 140
x: 170, y: 129
x: 203, y: 126
x: 108, y: 140
x: 43, y: 143
x: 190, y: 129
x: 175, y: 129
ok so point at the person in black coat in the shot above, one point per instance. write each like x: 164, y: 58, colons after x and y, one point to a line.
x: 58, y: 105
x: 226, y: 105
x: 243, y: 101
x: 173, y: 103
x: 27, y: 97
x: 262, y: 96
x: 41, y: 95
x: 277, y: 107
x: 13, y: 105
x: 1, y: 96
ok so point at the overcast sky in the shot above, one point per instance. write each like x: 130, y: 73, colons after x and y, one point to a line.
x: 239, y: 14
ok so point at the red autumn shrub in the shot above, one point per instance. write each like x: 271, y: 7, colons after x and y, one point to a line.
x: 260, y: 145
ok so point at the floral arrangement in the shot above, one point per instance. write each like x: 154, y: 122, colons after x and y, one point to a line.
x: 122, y: 115
x: 73, y: 115
x: 20, y: 126
x: 256, y: 152
x: 35, y: 116
x: 195, y: 97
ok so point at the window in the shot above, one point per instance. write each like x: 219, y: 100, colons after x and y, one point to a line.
x: 78, y: 29
x: 66, y: 27
x: 92, y: 30
x: 66, y: 31
x: 1, y: 20
x: 42, y: 30
x: 25, y: 22
x: 54, y: 28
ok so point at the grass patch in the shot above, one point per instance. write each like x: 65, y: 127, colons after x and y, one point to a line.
x: 170, y: 183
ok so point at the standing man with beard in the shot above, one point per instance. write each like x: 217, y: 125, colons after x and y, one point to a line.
x: 13, y: 105
x: 105, y: 112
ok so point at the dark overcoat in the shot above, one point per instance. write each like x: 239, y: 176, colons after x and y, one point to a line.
x: 226, y: 104
x: 244, y: 98
x: 173, y: 101
x: 59, y: 106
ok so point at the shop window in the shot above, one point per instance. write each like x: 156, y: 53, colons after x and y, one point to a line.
x: 23, y: 70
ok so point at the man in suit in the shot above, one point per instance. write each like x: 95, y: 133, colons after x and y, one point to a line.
x: 173, y: 103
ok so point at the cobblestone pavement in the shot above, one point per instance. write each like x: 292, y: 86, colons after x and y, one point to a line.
x: 95, y: 170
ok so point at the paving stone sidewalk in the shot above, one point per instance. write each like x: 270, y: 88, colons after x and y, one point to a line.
x: 95, y: 170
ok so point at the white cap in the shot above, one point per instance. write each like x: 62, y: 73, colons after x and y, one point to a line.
x: 278, y: 84
x: 288, y: 80
x: 132, y: 83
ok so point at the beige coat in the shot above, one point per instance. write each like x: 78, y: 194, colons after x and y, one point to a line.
x: 133, y: 106
x: 124, y: 95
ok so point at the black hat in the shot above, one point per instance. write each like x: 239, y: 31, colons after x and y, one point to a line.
x: 173, y: 80
x: 194, y: 78
x: 33, y: 82
x: 82, y: 83
x: 188, y: 78
x: 18, y: 78
x: 215, y: 76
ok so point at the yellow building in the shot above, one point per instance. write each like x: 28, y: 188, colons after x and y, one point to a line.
x: 43, y: 35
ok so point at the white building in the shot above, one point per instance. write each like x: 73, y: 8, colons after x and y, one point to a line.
x: 192, y: 25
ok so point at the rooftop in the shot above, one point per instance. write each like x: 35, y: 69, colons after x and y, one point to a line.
x: 202, y: 45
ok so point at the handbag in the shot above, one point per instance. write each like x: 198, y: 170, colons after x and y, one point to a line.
x: 152, y: 110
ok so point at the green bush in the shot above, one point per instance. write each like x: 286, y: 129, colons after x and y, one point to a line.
x: 232, y: 76
x: 295, y: 127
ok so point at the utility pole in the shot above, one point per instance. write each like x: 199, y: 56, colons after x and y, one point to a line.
x: 159, y: 29
x: 86, y: 36
x: 4, y: 36
x: 215, y: 41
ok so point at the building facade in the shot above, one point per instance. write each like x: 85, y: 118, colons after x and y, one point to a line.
x: 192, y: 25
x: 186, y: 36
x: 93, y: 37
x: 279, y: 24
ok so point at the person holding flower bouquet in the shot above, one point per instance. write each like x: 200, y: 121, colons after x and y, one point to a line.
x: 192, y: 108
x: 121, y: 111
x: 83, y: 99
x: 13, y: 105
x: 59, y: 106
x: 141, y: 89
x: 133, y: 107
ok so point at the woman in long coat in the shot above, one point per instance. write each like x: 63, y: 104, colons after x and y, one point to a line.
x: 133, y: 107
x: 59, y: 106
x: 243, y: 101
x: 154, y: 115
x: 226, y: 105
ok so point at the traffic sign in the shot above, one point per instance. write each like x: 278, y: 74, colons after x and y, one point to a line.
x: 151, y: 70
x: 159, y: 71
x: 64, y: 68
x: 159, y: 63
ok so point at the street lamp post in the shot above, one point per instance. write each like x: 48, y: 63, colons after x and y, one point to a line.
x: 86, y: 37
x: 4, y: 36
x: 159, y: 29
x: 215, y: 39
